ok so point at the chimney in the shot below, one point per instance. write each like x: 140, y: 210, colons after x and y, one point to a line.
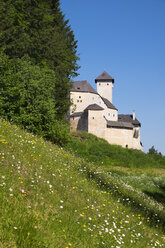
x: 133, y: 115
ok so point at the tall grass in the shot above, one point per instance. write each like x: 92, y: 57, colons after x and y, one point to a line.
x: 49, y: 199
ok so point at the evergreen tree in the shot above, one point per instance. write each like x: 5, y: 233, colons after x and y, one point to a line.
x: 37, y: 28
x: 152, y: 151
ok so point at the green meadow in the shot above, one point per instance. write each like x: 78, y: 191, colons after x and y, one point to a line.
x: 85, y: 195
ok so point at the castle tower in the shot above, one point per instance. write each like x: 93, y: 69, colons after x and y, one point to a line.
x: 104, y: 85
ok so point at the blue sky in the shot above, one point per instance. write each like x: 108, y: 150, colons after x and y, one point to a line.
x: 127, y: 39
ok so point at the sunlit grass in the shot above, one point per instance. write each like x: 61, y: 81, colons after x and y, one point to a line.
x: 100, y: 152
x: 50, y: 199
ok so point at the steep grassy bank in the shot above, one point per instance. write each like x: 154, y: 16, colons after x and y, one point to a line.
x: 49, y: 198
x: 99, y: 151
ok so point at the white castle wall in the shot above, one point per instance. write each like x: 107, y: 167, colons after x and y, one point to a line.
x: 81, y: 100
x: 118, y: 136
x: 96, y: 123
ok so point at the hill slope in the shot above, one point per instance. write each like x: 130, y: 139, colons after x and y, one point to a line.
x: 50, y: 198
x: 100, y: 152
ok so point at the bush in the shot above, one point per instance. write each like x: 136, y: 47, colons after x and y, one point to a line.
x: 59, y: 133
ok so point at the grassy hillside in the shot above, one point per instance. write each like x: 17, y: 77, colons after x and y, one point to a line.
x: 52, y: 199
x: 100, y: 152
x: 141, y: 176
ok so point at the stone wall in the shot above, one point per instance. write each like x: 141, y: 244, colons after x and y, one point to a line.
x: 124, y: 137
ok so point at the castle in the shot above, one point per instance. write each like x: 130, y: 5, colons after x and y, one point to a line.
x: 93, y: 112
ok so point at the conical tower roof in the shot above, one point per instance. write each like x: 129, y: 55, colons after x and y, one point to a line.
x: 104, y: 77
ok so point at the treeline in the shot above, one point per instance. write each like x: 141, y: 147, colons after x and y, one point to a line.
x: 38, y: 56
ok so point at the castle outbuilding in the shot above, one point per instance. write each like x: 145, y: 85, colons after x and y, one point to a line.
x: 92, y: 111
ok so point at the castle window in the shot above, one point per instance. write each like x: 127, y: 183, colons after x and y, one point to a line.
x: 77, y: 100
x: 80, y: 100
x: 108, y: 114
x: 99, y: 83
x: 78, y: 88
x: 126, y: 146
x: 93, y: 118
x: 107, y: 84
x: 113, y: 115
x: 136, y: 134
x: 79, y: 96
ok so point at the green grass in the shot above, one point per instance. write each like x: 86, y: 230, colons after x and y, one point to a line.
x: 99, y: 151
x: 140, y: 176
x: 50, y: 198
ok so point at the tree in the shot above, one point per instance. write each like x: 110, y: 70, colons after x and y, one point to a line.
x: 152, y: 150
x: 27, y: 98
x: 26, y: 94
x: 37, y: 29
